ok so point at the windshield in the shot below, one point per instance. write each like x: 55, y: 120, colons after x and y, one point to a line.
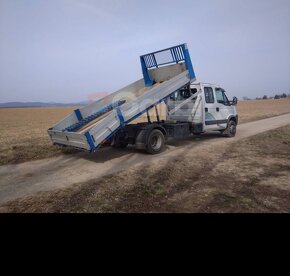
x: 221, y: 96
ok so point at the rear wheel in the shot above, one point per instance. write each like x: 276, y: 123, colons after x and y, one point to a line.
x: 231, y: 129
x: 155, y: 142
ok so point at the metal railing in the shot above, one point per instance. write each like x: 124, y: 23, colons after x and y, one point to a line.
x: 164, y: 57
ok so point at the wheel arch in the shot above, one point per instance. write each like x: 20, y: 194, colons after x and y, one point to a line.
x: 161, y: 128
x: 234, y: 118
x: 151, y: 127
x: 144, y: 133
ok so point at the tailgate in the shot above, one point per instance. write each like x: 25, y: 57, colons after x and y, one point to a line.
x: 69, y: 139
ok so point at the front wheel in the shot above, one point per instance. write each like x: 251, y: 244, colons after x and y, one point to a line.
x: 231, y: 129
x: 155, y: 142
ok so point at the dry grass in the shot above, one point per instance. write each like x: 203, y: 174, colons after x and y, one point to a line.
x: 261, y: 109
x: 254, y: 176
x: 23, y: 131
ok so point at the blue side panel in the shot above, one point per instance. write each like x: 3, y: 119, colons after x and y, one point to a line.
x: 188, y: 62
x: 78, y: 114
x: 148, y: 81
x: 120, y: 116
x: 90, y: 140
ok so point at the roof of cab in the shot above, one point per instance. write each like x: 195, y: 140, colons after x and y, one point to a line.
x: 204, y: 83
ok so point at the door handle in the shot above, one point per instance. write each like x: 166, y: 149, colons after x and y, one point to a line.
x: 217, y: 109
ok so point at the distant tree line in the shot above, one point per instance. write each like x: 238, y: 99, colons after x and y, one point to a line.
x: 265, y: 97
x: 282, y: 96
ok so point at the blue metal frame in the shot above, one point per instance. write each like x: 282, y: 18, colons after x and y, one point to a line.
x: 120, y: 116
x: 179, y: 53
x: 90, y: 141
x: 188, y: 62
x: 78, y: 114
x: 148, y: 81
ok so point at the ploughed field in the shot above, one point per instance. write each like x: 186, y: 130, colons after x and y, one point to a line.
x: 23, y: 131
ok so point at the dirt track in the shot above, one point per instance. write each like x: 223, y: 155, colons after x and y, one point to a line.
x: 48, y: 174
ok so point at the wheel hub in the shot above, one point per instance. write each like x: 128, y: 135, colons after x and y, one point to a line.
x: 156, y: 142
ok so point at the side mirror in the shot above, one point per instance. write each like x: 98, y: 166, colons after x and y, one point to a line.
x: 235, y: 101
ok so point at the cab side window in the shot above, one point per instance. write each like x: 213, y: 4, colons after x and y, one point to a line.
x: 187, y: 93
x: 208, y: 94
x: 221, y: 96
x: 183, y: 94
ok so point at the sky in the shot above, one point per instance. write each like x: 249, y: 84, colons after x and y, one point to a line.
x: 67, y: 50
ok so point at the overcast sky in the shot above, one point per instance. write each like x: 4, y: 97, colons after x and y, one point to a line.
x: 65, y: 50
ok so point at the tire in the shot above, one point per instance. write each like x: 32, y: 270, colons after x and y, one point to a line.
x: 231, y: 129
x: 155, y: 142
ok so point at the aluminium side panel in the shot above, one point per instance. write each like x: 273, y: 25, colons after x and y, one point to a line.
x: 67, y: 121
x: 105, y: 128
x: 69, y: 139
x: 135, y: 108
x: 122, y: 93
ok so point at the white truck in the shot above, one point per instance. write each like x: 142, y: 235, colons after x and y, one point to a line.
x: 168, y: 76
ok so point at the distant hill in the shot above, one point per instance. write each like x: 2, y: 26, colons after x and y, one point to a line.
x: 38, y: 104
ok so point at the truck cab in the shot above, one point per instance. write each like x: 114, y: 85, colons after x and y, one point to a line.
x: 205, y: 105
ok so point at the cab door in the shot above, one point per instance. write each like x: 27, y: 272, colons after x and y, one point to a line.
x: 223, y: 108
x: 211, y: 109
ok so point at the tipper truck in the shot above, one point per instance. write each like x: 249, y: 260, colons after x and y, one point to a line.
x: 169, y: 78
